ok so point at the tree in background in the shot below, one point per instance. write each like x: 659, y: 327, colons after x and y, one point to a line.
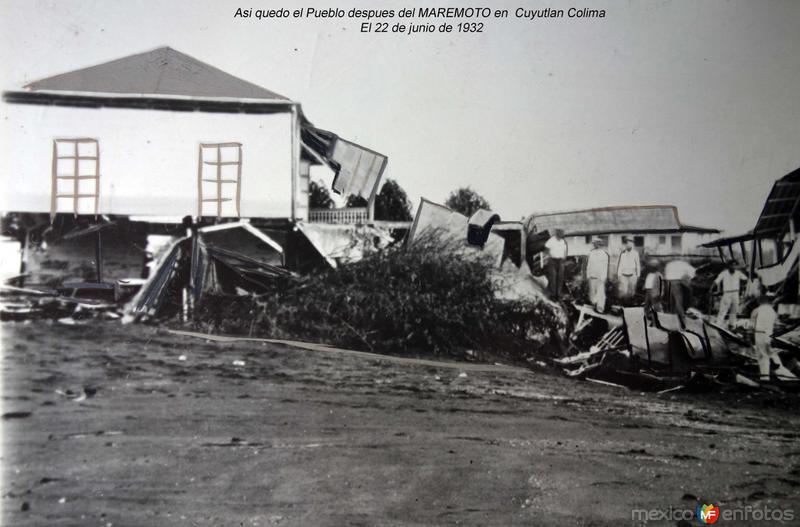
x: 466, y: 201
x: 391, y: 203
x: 318, y: 196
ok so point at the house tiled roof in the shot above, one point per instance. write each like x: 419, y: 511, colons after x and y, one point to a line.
x: 626, y: 219
x: 163, y: 71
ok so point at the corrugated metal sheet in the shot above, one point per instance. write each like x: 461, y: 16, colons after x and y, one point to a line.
x: 162, y: 71
x: 781, y: 206
x: 358, y: 170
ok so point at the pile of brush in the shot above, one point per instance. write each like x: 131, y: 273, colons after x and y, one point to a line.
x: 403, y: 300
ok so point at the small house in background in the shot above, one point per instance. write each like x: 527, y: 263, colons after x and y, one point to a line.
x: 656, y: 230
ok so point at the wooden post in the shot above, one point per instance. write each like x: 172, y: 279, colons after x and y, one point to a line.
x: 98, y: 256
x: 744, y: 252
x: 96, y: 176
x: 239, y: 183
x: 646, y: 340
x: 200, y: 183
x: 219, y: 182
x: 796, y: 239
x: 54, y: 184
x: 195, y: 257
x: 76, y: 180
x: 295, y: 159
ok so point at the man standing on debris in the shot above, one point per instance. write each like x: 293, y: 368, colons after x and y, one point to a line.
x: 763, y: 319
x: 679, y: 275
x: 557, y: 252
x: 728, y: 283
x: 597, y: 274
x: 628, y: 270
x: 653, y: 287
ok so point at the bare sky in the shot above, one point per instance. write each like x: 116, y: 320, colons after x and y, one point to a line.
x: 695, y: 104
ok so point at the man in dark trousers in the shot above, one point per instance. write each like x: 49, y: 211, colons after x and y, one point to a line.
x: 557, y: 253
x: 679, y: 275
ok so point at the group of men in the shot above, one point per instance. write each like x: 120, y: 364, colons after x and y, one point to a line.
x: 629, y: 269
x: 670, y: 284
x: 673, y: 284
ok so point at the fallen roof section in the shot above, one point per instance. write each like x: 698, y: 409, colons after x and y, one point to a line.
x: 358, y: 170
x: 244, y: 224
x: 781, y: 208
x: 216, y: 269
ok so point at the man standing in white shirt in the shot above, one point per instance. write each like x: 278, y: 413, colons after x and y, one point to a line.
x: 728, y: 282
x: 628, y: 270
x: 763, y: 319
x: 653, y: 287
x: 557, y: 252
x: 597, y: 274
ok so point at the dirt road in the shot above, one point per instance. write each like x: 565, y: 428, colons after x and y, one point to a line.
x: 114, y: 425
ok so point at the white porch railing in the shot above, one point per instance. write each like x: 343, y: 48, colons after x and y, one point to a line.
x: 348, y: 215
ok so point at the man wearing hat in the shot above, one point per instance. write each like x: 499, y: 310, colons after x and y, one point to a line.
x: 728, y: 283
x: 597, y: 274
x: 628, y: 269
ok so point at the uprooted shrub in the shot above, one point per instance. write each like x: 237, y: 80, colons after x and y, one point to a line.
x: 416, y: 300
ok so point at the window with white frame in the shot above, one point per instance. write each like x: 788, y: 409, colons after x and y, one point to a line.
x: 219, y: 179
x: 76, y: 176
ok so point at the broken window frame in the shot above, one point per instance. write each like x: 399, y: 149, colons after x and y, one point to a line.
x: 76, y: 175
x: 219, y: 163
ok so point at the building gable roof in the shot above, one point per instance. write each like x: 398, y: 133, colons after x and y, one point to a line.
x: 625, y: 219
x: 160, y: 72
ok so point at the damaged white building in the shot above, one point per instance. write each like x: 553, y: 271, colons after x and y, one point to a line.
x: 160, y: 136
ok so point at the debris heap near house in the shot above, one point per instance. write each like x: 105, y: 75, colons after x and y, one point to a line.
x: 415, y: 299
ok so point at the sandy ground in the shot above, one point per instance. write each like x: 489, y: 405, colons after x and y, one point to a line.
x: 121, y: 431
